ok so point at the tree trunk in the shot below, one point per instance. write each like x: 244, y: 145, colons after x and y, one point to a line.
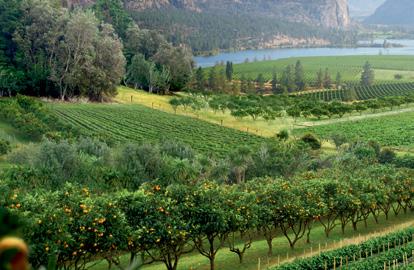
x: 269, y: 241
x: 212, y: 264
x: 354, y: 225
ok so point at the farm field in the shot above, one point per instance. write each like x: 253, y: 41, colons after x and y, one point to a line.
x: 138, y: 123
x: 390, y: 130
x: 258, y: 127
x: 227, y: 260
x: 386, y: 67
x: 365, y: 92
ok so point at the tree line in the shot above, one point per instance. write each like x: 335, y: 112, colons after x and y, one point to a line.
x: 292, y: 79
x: 49, y: 50
x: 271, y: 107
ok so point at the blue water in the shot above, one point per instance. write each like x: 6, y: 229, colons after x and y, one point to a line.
x: 273, y: 54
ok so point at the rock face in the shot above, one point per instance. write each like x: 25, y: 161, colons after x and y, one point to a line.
x: 394, y: 12
x: 326, y: 13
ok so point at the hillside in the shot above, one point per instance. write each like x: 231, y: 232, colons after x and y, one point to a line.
x: 327, y: 13
x: 393, y: 12
x: 358, y: 9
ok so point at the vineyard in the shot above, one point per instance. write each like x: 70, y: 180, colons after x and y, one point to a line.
x: 395, y: 130
x: 138, y: 123
x: 350, y: 67
x: 388, y: 252
x: 366, y: 92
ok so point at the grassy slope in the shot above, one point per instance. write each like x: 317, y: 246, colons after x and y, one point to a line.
x: 9, y: 133
x: 228, y: 261
x: 139, y: 123
x: 349, y: 66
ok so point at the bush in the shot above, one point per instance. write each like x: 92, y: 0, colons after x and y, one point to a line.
x: 406, y: 161
x: 283, y: 135
x: 312, y: 141
x: 386, y: 156
x: 5, y: 147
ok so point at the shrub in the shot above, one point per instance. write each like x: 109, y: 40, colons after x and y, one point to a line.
x: 283, y: 135
x: 406, y: 161
x: 5, y: 147
x: 386, y: 156
x: 312, y: 141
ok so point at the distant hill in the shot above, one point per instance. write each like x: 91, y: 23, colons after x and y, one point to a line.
x: 364, y: 8
x: 326, y: 13
x: 394, y: 12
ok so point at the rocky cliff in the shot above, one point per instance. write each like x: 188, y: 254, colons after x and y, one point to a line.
x: 326, y: 13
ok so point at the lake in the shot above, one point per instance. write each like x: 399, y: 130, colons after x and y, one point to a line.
x: 274, y: 54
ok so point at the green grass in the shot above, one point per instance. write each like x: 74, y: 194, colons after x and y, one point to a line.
x: 349, y: 66
x: 139, y: 123
x: 228, y: 261
x: 392, y: 130
x: 9, y: 133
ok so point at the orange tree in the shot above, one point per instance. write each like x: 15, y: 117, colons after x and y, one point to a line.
x: 160, y: 230
x: 210, y: 218
x: 243, y: 219
x: 72, y: 228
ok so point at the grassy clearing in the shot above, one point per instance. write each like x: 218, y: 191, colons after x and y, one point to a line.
x: 228, y: 261
x: 349, y: 66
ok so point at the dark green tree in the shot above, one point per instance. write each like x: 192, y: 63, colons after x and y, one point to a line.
x: 229, y: 71
x: 299, y: 76
x: 274, y: 82
x: 338, y: 80
x: 319, y: 78
x: 260, y: 83
x: 199, y: 79
x: 327, y: 81
x: 368, y: 75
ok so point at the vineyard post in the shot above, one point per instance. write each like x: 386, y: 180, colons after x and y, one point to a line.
x: 354, y: 258
x: 258, y: 264
x: 334, y: 263
x: 385, y: 266
x: 287, y: 256
x: 311, y: 251
x: 341, y: 263
x: 346, y: 262
x: 326, y: 265
x: 319, y: 249
x: 371, y: 251
x: 304, y: 252
x: 221, y: 121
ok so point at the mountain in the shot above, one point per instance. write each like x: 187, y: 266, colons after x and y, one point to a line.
x: 394, y: 12
x: 365, y: 8
x: 325, y: 13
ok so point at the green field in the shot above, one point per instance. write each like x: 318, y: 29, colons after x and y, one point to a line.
x: 138, y: 123
x: 392, y: 130
x: 349, y: 66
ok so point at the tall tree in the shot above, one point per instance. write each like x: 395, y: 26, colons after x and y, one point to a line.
x: 213, y: 79
x: 274, y: 82
x: 229, y: 71
x: 243, y: 84
x: 138, y: 72
x: 338, y: 80
x: 319, y: 78
x: 113, y: 12
x: 299, y: 76
x: 288, y: 80
x: 199, y: 79
x: 327, y: 81
x: 368, y: 75
x: 260, y: 83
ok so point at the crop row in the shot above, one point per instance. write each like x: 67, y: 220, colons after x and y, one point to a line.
x: 137, y: 123
x: 366, y: 92
x: 386, y: 248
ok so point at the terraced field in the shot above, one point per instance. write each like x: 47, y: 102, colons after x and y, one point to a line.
x: 393, y: 130
x: 138, y: 123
